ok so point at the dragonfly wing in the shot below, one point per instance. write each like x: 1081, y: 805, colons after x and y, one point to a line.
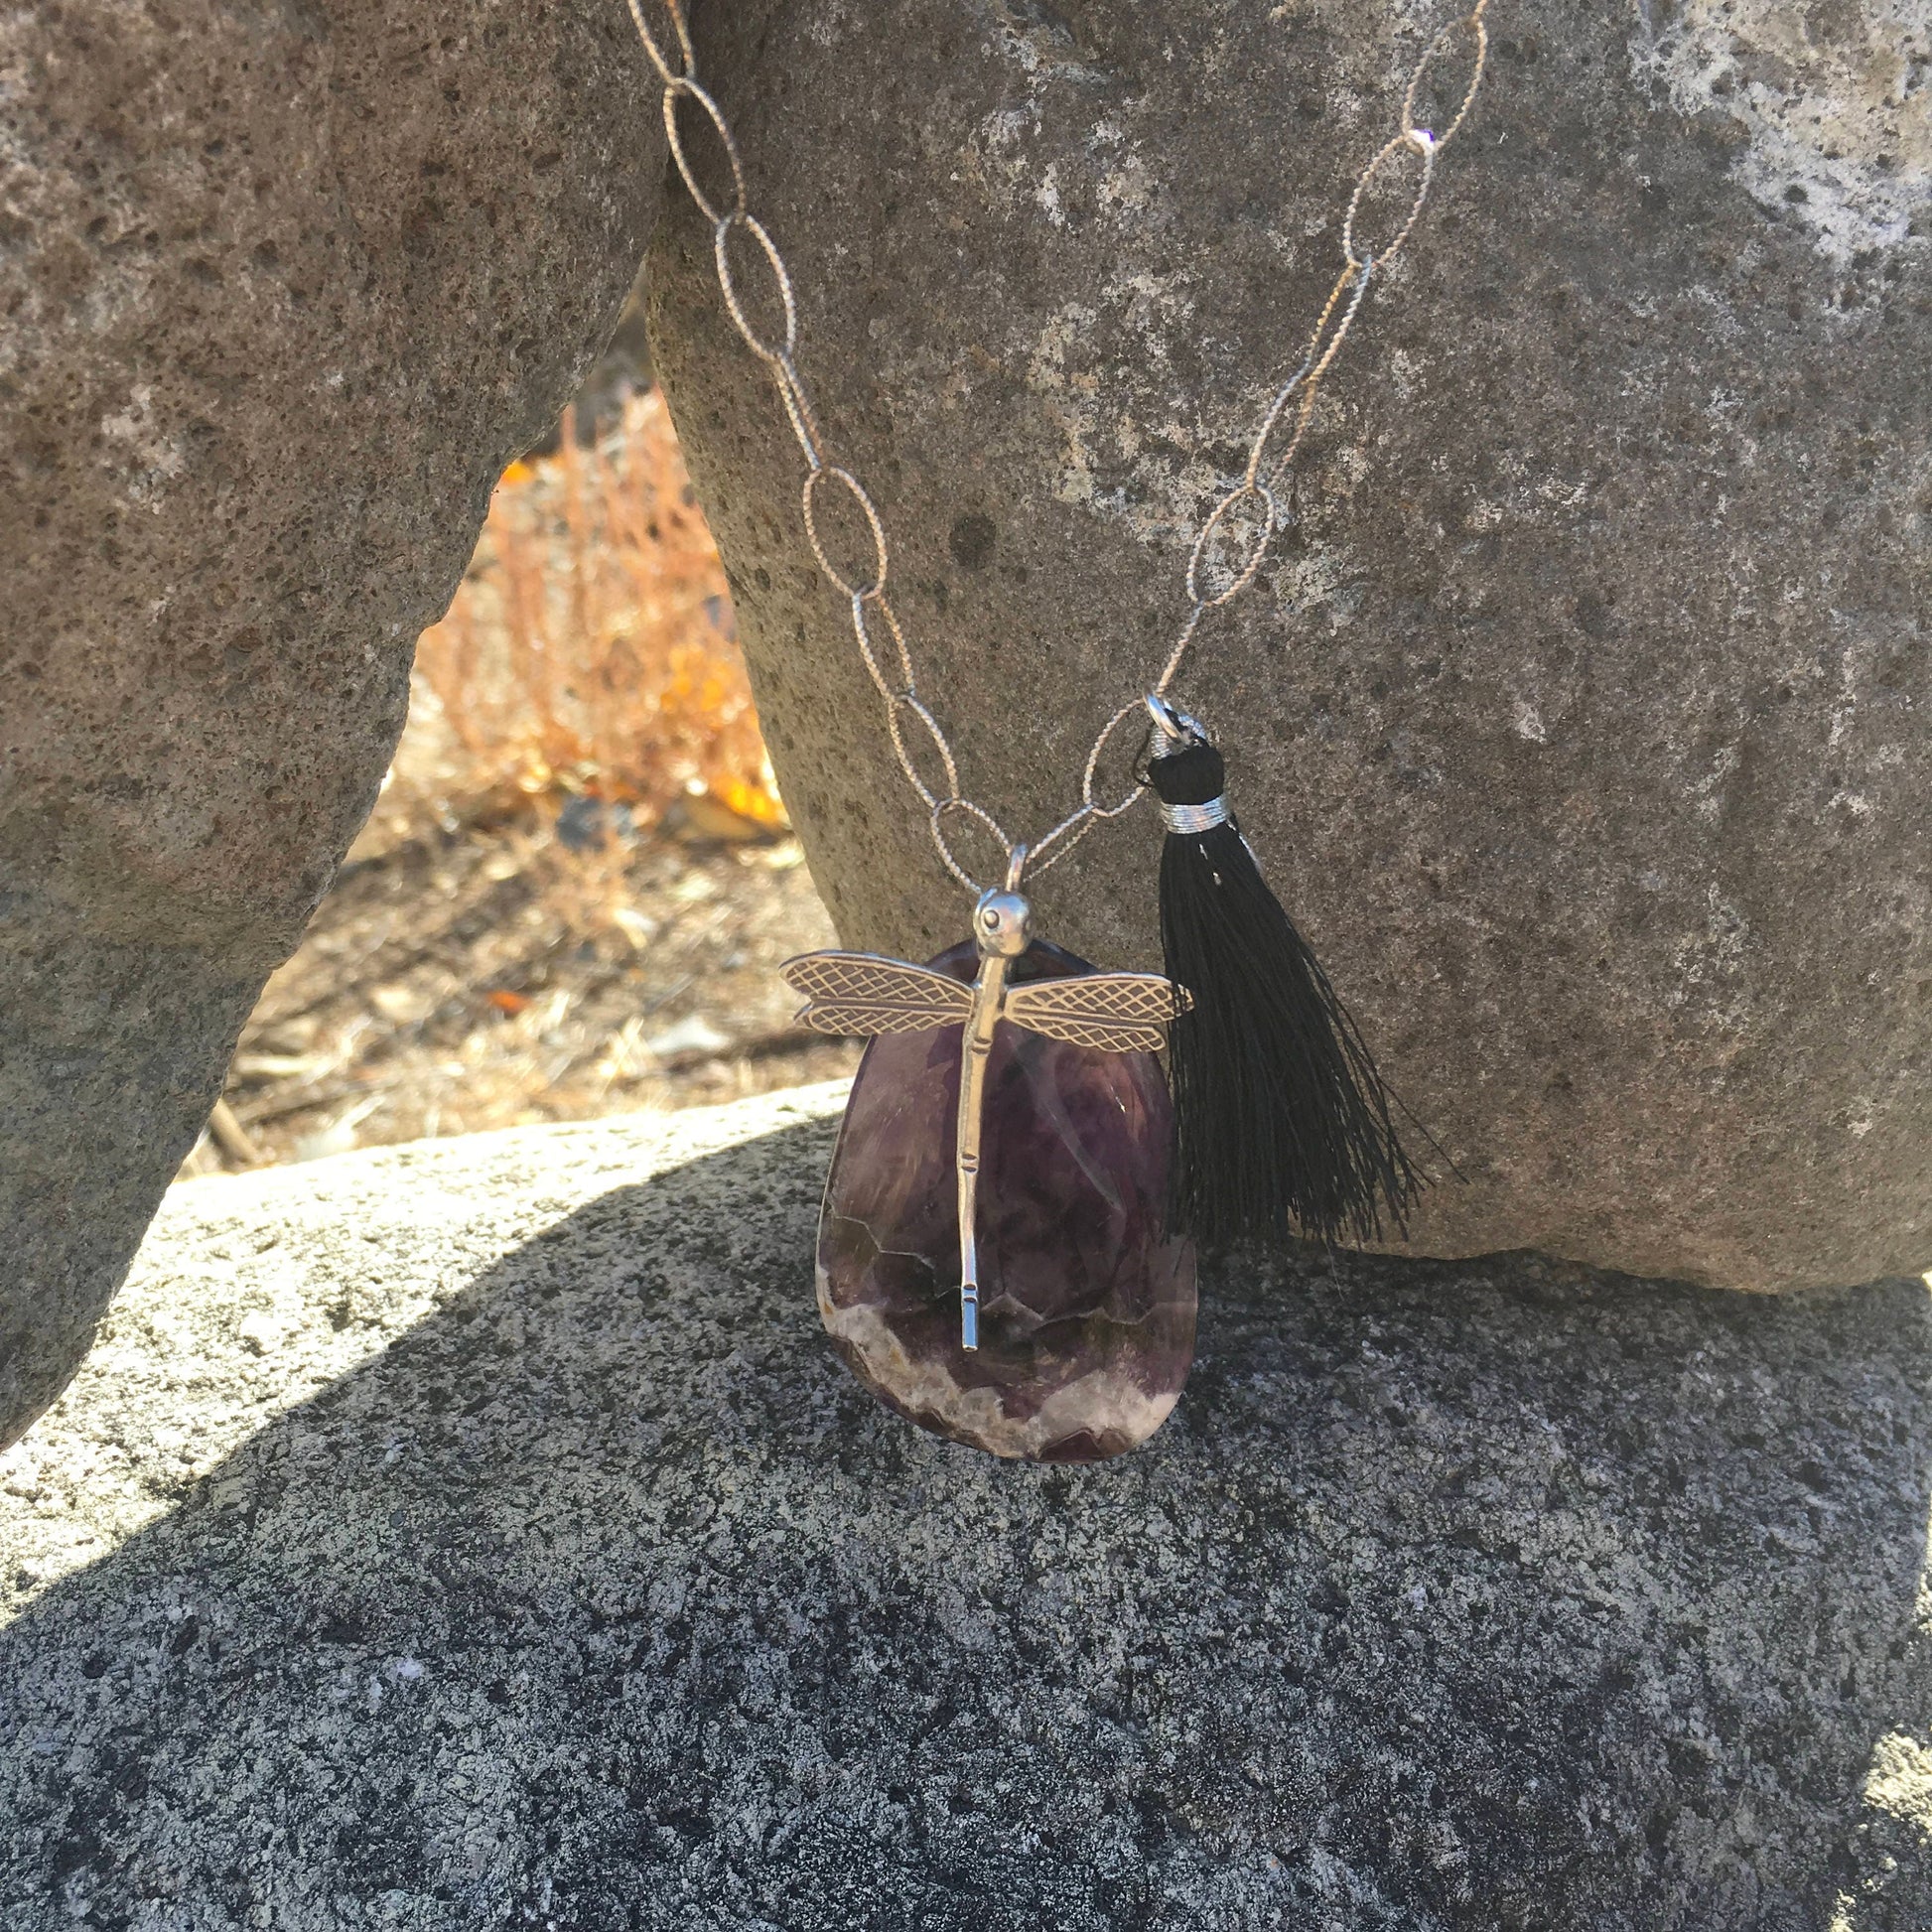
x: 861, y: 993
x: 1117, y: 1013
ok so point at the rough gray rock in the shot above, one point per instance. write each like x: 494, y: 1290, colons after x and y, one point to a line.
x: 283, y: 290
x: 1581, y: 713
x: 484, y: 1534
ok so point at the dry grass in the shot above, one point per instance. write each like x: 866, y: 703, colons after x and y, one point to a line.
x: 589, y: 652
x: 577, y: 885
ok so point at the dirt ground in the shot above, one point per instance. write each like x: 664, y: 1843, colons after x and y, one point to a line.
x: 554, y: 967
x: 573, y: 893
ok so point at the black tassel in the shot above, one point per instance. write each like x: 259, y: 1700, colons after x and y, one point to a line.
x: 1281, y: 1124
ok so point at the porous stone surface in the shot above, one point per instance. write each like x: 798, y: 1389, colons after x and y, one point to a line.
x: 1086, y: 1322
x: 283, y: 289
x: 1580, y: 713
x: 484, y: 1535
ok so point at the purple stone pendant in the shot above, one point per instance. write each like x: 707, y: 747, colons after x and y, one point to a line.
x: 993, y: 1256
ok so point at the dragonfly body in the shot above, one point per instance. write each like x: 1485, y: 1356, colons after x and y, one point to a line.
x: 863, y: 993
x: 1000, y: 928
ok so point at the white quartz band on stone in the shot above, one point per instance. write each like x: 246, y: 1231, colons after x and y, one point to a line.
x: 1195, y: 818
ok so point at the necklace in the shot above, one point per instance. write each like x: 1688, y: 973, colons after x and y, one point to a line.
x: 1005, y: 1250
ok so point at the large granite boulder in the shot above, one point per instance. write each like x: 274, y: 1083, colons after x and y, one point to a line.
x: 485, y: 1534
x: 283, y: 290
x: 1583, y: 712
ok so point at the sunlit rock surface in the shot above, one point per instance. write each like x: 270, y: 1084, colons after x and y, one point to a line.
x: 284, y: 287
x: 1581, y: 710
x: 486, y: 1535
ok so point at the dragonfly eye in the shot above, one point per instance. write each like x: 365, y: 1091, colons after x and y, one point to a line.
x: 999, y: 923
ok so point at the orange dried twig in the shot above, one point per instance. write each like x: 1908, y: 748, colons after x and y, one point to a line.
x: 592, y: 646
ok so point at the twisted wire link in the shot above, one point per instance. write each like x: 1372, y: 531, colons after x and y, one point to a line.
x: 967, y: 809
x: 899, y: 703
x: 798, y: 412
x: 1242, y: 520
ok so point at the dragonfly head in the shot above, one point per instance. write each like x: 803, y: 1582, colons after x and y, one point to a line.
x: 1003, y: 924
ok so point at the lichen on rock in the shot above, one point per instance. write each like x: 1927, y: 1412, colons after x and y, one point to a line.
x: 1833, y: 101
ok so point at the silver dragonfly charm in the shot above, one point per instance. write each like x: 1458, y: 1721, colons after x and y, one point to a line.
x: 850, y: 993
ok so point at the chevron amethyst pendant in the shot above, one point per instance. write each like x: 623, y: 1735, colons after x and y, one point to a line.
x: 1083, y: 1328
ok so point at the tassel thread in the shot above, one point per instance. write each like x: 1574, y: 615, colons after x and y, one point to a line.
x: 1281, y: 1124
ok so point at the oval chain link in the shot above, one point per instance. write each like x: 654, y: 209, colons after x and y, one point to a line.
x: 1289, y: 412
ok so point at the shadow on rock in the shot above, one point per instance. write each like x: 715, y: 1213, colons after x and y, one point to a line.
x: 1482, y: 1594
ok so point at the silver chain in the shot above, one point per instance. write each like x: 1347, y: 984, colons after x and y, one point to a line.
x: 1253, y: 504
